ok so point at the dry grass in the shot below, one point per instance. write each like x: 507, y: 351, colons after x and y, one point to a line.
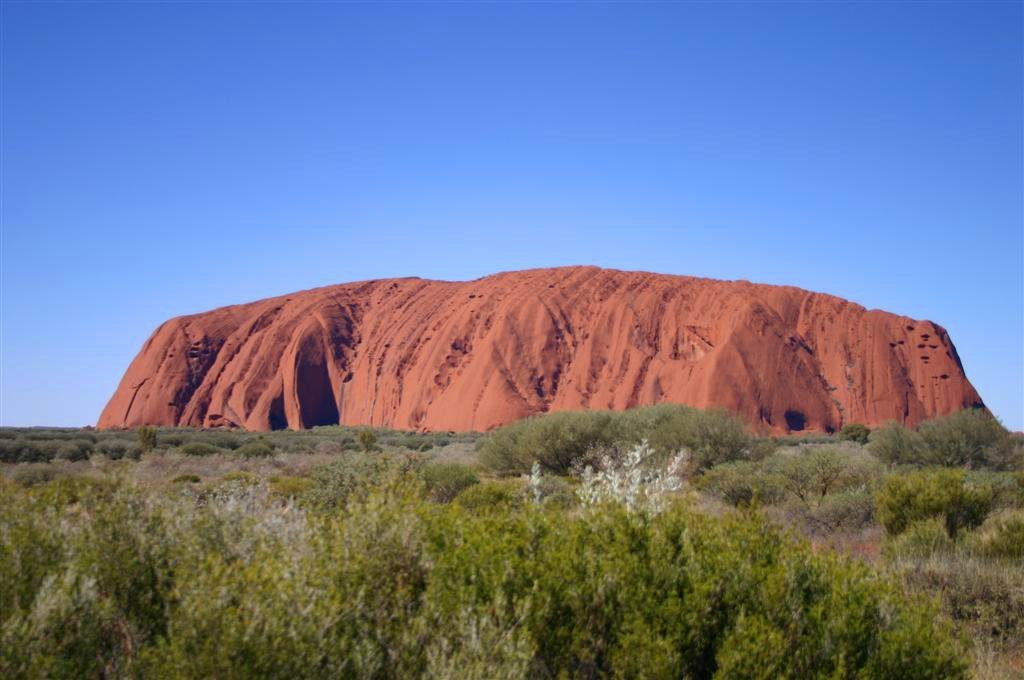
x: 985, y: 598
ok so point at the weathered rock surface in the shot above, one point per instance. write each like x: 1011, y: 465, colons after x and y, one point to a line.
x: 418, y: 354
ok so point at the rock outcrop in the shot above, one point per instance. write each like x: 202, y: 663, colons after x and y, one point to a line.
x: 417, y: 354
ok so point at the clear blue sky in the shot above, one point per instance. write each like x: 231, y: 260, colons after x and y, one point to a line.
x: 165, y: 159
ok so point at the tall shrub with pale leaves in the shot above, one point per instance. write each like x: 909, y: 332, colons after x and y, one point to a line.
x: 634, y: 481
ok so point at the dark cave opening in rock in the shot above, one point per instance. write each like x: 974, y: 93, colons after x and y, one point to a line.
x: 796, y: 421
x: 276, y: 417
x: 313, y: 386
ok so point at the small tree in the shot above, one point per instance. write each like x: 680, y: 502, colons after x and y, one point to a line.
x: 147, y: 438
x: 971, y: 438
x: 855, y: 432
x: 896, y: 445
x: 934, y: 492
x: 367, y: 440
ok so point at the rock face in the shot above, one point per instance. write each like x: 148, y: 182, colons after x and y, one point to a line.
x: 437, y: 355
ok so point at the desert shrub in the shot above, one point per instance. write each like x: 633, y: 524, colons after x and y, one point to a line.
x: 355, y: 475
x: 186, y: 479
x: 1007, y: 487
x: 116, y: 449
x: 331, y: 447
x: 983, y: 596
x: 855, y: 432
x: 935, y: 492
x: 106, y: 590
x: 922, y: 538
x: 65, y: 490
x: 31, y: 474
x: 173, y: 438
x: 72, y: 449
x: 896, y: 445
x: 198, y: 449
x: 712, y: 437
x: 21, y: 449
x: 810, y: 473
x: 389, y: 586
x: 970, y: 438
x: 147, y: 439
x: 503, y: 494
x: 845, y: 511
x: 637, y: 482
x: 257, y: 448
x: 554, y: 491
x: 410, y: 441
x: 446, y: 480
x: 804, y: 439
x: 555, y: 440
x: 220, y: 440
x: 290, y: 487
x: 10, y: 448
x: 743, y: 483
x: 1001, y: 536
x: 564, y: 441
x: 367, y: 440
x: 240, y: 476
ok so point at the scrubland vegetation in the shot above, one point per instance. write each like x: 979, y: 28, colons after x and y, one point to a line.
x: 659, y: 542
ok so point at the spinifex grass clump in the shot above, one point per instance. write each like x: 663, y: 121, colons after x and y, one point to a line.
x: 381, y: 583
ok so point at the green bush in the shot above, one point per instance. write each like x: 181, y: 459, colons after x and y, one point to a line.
x: 1008, y: 487
x: 502, y: 494
x: 186, y: 479
x: 921, y: 539
x: 1001, y: 536
x: 218, y: 439
x: 810, y: 473
x: 389, y: 586
x: 355, y: 475
x: 147, y: 439
x: 847, y: 511
x: 257, y: 448
x: 938, y: 492
x: 564, y: 441
x: 855, y: 432
x: 555, y: 491
x: 116, y: 449
x: 31, y: 474
x: 712, y: 437
x: 199, y: 449
x: 896, y: 445
x: 240, y: 477
x: 73, y: 450
x: 290, y: 487
x: 445, y: 481
x: 743, y: 483
x: 556, y: 441
x: 969, y: 438
x: 66, y: 490
x: 367, y: 440
x: 983, y: 596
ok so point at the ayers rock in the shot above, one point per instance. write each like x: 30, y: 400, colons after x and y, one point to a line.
x: 416, y: 354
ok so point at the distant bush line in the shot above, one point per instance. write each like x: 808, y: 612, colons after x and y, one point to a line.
x: 565, y: 441
x: 40, y: 445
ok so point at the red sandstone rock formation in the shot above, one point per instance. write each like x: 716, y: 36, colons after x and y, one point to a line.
x: 438, y: 355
